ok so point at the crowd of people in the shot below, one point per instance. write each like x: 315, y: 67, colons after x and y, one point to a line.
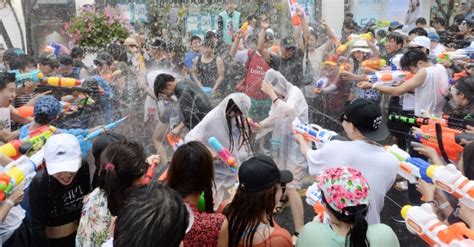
x: 246, y: 88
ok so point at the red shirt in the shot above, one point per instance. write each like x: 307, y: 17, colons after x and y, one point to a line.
x: 205, y: 230
x: 257, y: 66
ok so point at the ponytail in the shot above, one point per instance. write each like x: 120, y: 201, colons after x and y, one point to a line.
x: 111, y: 187
x: 123, y: 164
x: 357, y: 235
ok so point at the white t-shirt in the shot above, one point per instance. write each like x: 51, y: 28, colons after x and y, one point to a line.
x: 429, y: 96
x: 437, y: 50
x: 378, y: 166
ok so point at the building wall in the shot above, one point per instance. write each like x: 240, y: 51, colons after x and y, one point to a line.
x: 11, y: 25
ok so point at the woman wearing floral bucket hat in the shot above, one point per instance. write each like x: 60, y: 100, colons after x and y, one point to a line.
x: 345, y: 195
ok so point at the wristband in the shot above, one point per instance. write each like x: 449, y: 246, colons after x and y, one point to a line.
x: 9, y: 202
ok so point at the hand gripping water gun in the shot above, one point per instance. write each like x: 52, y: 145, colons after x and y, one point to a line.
x: 223, y: 153
x: 451, y: 180
x: 314, y: 199
x: 410, y: 168
x: 295, y: 19
x: 175, y: 141
x: 19, y: 171
x: 445, y: 140
x: 150, y: 172
x: 375, y: 64
x: 36, y: 140
x: 421, y: 220
x: 321, y: 82
x: 105, y: 129
x: 315, y: 133
x: 389, y: 77
x: 34, y: 76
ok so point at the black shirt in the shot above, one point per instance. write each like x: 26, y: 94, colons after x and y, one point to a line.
x: 54, y: 204
x: 291, y: 69
x: 193, y: 103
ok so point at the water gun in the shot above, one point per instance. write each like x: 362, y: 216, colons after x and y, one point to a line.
x: 245, y: 28
x: 315, y: 133
x: 223, y: 153
x: 105, y: 129
x: 366, y: 36
x: 150, y: 172
x: 321, y: 82
x: 446, y: 140
x: 314, y: 199
x: 341, y: 49
x: 34, y: 76
x: 451, y: 180
x: 375, y: 64
x: 175, y: 141
x: 28, y: 111
x: 61, y: 81
x: 409, y: 168
x: 421, y: 220
x: 68, y: 90
x: 445, y: 121
x: 19, y: 171
x: 295, y: 19
x: 345, y: 67
x: 389, y: 77
x: 15, y: 148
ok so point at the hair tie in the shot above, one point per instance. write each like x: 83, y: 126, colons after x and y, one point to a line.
x: 109, y: 166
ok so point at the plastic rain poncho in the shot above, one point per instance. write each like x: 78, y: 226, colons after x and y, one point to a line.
x: 215, y: 124
x: 285, y: 151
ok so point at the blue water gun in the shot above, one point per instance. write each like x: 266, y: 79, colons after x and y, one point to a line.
x: 104, y: 129
x: 34, y: 76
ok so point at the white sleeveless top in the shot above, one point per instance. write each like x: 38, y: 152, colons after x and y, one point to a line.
x: 5, y: 120
x: 429, y: 96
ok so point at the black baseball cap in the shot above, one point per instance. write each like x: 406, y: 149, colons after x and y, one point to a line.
x: 158, y: 44
x: 288, y: 42
x: 366, y: 116
x: 260, y: 172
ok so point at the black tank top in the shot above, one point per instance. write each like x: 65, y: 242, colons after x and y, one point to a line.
x: 207, y: 72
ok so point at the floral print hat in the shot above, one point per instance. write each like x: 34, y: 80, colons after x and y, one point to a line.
x: 343, y: 187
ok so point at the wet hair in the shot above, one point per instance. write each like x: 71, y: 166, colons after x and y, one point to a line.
x: 118, y: 52
x: 192, y: 172
x: 357, y: 235
x: 241, y: 123
x: 245, y: 213
x: 154, y: 215
x: 77, y: 52
x: 209, y: 43
x: 20, y: 62
x: 465, y: 85
x: 121, y: 165
x: 5, y: 78
x: 251, y: 17
x: 419, y: 31
x: 468, y: 161
x: 193, y: 38
x: 421, y: 21
x: 412, y: 57
x: 397, y: 37
x: 440, y: 20
x: 161, y: 82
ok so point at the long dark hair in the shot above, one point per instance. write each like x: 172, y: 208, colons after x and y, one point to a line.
x: 245, y: 213
x: 242, y: 124
x: 357, y: 235
x: 192, y: 172
x: 122, y: 164
x: 468, y: 161
x: 465, y: 86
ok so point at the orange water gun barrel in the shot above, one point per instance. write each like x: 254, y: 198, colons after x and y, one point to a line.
x: 25, y: 111
x: 11, y: 149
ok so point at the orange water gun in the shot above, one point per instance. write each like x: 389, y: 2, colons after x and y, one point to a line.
x: 61, y: 81
x: 175, y: 141
x: 446, y: 141
x: 314, y: 199
x: 375, y: 64
x: 150, y: 172
x: 421, y: 220
x: 295, y: 19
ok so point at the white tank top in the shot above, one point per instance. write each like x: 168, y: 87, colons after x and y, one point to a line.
x: 429, y: 96
x: 5, y: 120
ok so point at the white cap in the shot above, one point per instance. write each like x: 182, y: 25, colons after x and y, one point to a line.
x: 421, y: 41
x: 62, y: 153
